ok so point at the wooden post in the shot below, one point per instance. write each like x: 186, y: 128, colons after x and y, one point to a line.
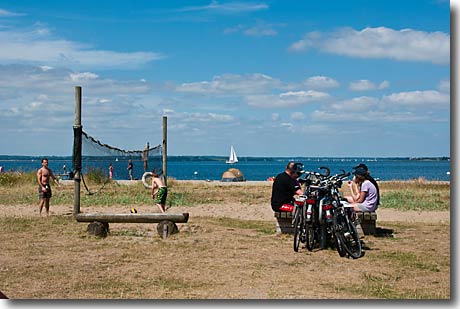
x: 77, y: 176
x: 164, y: 152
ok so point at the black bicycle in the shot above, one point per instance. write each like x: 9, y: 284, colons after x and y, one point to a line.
x: 346, y: 232
x: 313, y: 193
x: 298, y: 221
x: 344, y: 221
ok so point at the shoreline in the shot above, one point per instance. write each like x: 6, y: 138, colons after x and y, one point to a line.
x: 253, y: 182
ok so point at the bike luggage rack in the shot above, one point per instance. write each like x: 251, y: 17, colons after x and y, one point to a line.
x: 284, y: 222
x: 367, y: 220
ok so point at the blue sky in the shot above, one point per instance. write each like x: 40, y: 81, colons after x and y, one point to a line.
x: 273, y: 78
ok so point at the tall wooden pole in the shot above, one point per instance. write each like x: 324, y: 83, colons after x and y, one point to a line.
x: 77, y: 148
x: 164, y: 152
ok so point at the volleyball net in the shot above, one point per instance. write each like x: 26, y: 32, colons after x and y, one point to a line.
x: 96, y: 156
x: 91, y: 147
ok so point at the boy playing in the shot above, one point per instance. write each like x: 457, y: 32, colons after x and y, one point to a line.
x: 159, y: 191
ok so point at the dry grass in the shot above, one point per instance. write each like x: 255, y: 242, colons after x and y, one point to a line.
x: 214, y: 256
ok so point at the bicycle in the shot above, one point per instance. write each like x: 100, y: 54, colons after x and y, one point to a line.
x: 313, y: 192
x: 344, y: 222
x: 298, y: 221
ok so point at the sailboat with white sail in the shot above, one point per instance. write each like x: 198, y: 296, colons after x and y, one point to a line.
x: 232, y: 158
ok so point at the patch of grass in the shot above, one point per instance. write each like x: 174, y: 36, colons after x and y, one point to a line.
x: 19, y: 188
x: 410, y: 260
x: 413, y: 195
x: 377, y: 286
x: 413, y: 200
x: 386, y: 286
x: 105, y: 288
x: 172, y: 284
x: 18, y: 225
x: 130, y: 232
x: 179, y: 199
x: 263, y: 227
x: 17, y: 178
x: 95, y: 175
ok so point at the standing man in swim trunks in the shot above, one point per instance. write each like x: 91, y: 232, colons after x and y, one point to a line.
x: 44, y: 189
x: 159, y: 191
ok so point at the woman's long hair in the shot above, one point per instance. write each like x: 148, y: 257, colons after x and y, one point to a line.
x: 359, y: 181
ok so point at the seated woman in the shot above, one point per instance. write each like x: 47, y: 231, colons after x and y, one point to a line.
x: 366, y: 199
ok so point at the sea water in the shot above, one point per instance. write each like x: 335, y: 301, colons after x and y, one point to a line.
x: 256, y: 169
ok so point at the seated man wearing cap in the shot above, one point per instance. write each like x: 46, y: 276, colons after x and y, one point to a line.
x: 368, y: 196
x: 285, y: 187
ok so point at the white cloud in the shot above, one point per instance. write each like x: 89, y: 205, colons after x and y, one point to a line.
x: 45, y: 68
x: 6, y: 13
x: 258, y: 30
x: 287, y: 99
x: 356, y: 105
x: 366, y: 117
x: 383, y: 85
x: 366, y: 85
x: 379, y: 43
x: 27, y: 91
x: 321, y: 82
x: 298, y: 116
x: 42, y: 97
x: 234, y: 29
x: 229, y: 7
x: 428, y: 98
x: 38, y: 47
x: 444, y: 86
x: 286, y: 124
x: 77, y: 77
x: 397, y: 107
x: 302, y: 95
x: 232, y: 84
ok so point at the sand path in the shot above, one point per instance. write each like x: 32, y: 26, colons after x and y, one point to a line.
x: 232, y: 210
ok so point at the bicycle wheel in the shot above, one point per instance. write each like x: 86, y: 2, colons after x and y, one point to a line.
x: 339, y: 244
x: 352, y: 244
x: 310, y: 237
x: 297, y: 229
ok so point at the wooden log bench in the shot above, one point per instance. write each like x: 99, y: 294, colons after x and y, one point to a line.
x: 99, y: 225
x: 284, y: 222
x: 368, y: 220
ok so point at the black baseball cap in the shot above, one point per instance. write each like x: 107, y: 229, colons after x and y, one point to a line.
x: 361, y: 165
x: 360, y: 171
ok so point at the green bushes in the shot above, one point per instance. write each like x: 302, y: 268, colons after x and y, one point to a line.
x: 95, y: 175
x: 17, y: 178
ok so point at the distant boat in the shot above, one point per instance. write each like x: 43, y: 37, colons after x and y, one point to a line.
x: 232, y: 158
